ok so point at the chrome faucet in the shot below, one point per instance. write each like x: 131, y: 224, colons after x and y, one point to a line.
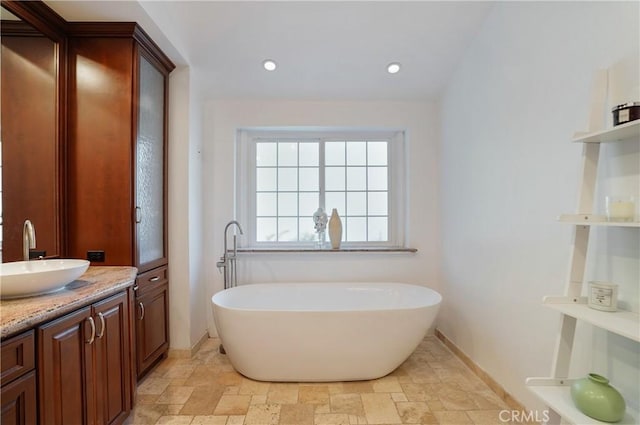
x: 28, y: 239
x: 228, y: 259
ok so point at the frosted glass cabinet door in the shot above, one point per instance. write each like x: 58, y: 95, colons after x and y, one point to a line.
x: 149, y: 214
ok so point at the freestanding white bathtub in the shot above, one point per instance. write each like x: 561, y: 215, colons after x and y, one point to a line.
x: 318, y: 332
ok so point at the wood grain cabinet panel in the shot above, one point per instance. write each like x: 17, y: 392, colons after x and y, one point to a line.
x: 18, y: 356
x: 65, y: 370
x: 19, y: 404
x: 152, y: 326
x: 117, y: 156
x: 31, y: 171
x: 113, y: 371
x: 84, y: 365
x: 117, y: 145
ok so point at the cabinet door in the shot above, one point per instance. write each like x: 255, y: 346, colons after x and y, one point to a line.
x: 150, y: 179
x: 18, y: 356
x: 152, y: 327
x: 99, y: 181
x: 30, y: 170
x: 112, y: 359
x: 19, y: 403
x: 65, y: 377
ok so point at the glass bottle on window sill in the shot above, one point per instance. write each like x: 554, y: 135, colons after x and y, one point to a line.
x: 322, y: 240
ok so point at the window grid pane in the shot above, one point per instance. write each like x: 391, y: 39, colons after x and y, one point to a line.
x: 278, y: 194
x: 367, y: 173
x: 352, y: 176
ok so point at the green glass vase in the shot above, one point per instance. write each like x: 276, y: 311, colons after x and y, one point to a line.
x: 594, y: 397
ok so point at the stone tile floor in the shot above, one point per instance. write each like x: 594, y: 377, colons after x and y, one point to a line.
x: 432, y: 387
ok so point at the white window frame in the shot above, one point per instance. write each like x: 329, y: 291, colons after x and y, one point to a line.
x: 245, y: 187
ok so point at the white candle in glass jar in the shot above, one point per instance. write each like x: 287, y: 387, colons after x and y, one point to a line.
x: 620, y: 208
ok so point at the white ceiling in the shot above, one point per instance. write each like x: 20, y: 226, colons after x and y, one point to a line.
x: 324, y: 49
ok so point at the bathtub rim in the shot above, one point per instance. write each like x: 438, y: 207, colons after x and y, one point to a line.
x: 430, y: 304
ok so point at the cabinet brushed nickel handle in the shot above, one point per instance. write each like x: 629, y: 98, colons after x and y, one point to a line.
x: 141, y: 310
x: 92, y: 323
x: 154, y: 279
x: 135, y: 288
x: 102, y: 325
x: 138, y: 215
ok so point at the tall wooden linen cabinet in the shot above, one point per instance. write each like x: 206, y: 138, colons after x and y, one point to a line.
x: 117, y: 167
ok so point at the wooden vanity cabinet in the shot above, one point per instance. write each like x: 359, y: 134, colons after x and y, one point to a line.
x: 117, y: 147
x: 152, y: 326
x: 84, y: 365
x: 18, y: 402
x: 117, y: 162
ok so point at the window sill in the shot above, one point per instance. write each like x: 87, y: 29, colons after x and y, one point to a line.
x: 326, y: 250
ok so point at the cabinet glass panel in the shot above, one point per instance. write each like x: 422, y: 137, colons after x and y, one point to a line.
x: 150, y: 164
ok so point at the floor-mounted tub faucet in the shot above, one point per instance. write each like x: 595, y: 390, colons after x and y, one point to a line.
x: 28, y: 239
x: 228, y: 259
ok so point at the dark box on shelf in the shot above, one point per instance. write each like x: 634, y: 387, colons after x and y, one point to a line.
x: 626, y: 112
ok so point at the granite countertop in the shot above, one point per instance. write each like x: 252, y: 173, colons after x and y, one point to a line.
x: 18, y: 315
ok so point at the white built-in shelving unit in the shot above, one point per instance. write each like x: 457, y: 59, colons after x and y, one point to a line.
x: 625, y: 323
x: 594, y: 220
x: 620, y: 133
x: 555, y: 391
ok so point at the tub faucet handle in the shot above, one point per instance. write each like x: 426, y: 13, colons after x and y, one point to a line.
x: 221, y: 264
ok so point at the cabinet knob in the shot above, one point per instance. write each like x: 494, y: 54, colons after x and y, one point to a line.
x: 102, y: 325
x: 92, y: 323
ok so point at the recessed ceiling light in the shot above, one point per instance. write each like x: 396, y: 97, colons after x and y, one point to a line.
x: 393, y: 68
x: 269, y: 65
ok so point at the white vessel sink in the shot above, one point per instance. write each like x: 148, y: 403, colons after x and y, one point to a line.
x: 36, y: 277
